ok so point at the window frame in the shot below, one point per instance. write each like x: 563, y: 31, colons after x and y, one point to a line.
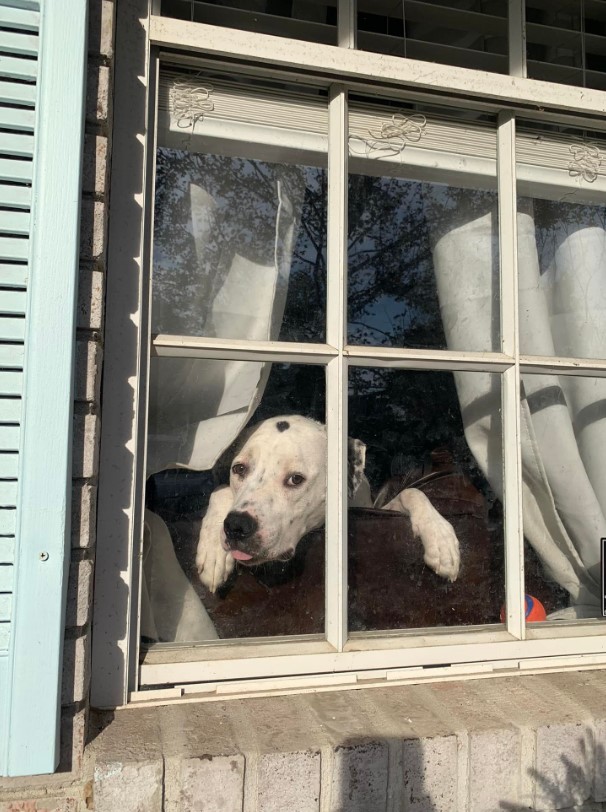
x: 277, y: 665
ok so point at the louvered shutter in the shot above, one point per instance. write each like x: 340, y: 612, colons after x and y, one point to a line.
x: 42, y: 73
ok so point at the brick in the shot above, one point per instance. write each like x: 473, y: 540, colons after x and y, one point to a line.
x: 494, y: 769
x: 97, y: 94
x: 88, y: 371
x: 85, y: 446
x: 94, y: 166
x: 90, y: 300
x: 128, y: 786
x: 84, y: 515
x: 101, y: 28
x: 359, y: 780
x: 79, y: 593
x: 76, y: 669
x: 72, y: 738
x: 92, y: 231
x: 430, y: 774
x: 564, y: 761
x: 289, y: 781
x: 205, y: 784
x: 599, y: 772
x: 45, y: 804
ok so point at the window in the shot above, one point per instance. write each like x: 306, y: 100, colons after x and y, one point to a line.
x: 419, y: 269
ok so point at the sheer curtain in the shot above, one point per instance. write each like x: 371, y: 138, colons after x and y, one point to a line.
x: 562, y: 309
x: 223, y: 246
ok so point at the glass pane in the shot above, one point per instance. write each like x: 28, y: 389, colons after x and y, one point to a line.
x: 467, y: 33
x: 311, y: 20
x: 423, y: 242
x: 240, y: 213
x: 566, y: 41
x: 562, y: 243
x: 231, y: 546
x: 433, y: 447
x: 564, y: 493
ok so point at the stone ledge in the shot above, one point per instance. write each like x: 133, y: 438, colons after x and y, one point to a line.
x: 511, y: 743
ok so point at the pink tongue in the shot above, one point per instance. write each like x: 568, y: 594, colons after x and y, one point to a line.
x: 240, y: 556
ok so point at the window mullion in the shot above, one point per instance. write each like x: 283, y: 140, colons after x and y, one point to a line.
x: 346, y: 23
x: 336, y: 374
x: 517, y: 38
x: 512, y: 463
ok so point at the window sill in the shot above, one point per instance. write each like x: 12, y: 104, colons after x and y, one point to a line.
x: 536, y: 742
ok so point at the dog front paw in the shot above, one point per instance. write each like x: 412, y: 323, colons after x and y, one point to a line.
x: 441, y: 547
x: 214, y: 564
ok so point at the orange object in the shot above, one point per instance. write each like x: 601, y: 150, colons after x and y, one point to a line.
x: 535, y: 611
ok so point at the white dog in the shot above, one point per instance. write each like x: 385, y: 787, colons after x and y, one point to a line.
x: 277, y: 494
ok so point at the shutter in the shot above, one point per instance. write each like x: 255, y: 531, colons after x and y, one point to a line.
x: 42, y: 70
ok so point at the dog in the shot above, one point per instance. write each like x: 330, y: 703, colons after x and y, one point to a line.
x: 277, y: 494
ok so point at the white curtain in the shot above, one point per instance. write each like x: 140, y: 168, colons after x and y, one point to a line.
x: 562, y: 309
x: 223, y: 247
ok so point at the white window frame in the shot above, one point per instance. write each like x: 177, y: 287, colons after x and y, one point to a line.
x: 216, y: 670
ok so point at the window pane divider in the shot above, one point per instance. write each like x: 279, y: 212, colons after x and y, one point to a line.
x: 174, y: 346
x: 563, y: 366
x: 512, y: 462
x: 517, y: 38
x: 336, y: 373
x: 424, y: 359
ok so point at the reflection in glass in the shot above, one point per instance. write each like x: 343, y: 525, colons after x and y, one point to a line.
x: 440, y: 434
x: 467, y: 33
x: 562, y: 270
x: 423, y: 265
x: 303, y: 19
x: 565, y: 42
x: 564, y: 491
x: 239, y: 248
x: 202, y: 415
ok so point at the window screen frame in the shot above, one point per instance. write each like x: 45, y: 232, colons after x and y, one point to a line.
x: 279, y: 664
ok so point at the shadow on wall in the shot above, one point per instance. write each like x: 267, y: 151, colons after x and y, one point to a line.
x: 571, y: 784
x: 421, y: 775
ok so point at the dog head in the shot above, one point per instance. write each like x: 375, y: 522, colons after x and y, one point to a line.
x: 278, y: 479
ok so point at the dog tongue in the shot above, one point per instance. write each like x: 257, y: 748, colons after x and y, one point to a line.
x: 240, y: 556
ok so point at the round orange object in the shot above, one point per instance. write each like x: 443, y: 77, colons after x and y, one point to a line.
x: 535, y: 611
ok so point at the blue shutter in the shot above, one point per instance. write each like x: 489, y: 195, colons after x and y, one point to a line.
x: 42, y: 80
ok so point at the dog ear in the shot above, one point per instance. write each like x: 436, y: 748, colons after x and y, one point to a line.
x: 356, y: 462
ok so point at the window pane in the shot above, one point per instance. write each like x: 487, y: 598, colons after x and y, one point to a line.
x: 433, y: 445
x: 204, y: 417
x: 564, y: 492
x: 566, y: 41
x: 562, y: 243
x: 467, y: 33
x: 311, y: 20
x: 423, y: 247
x: 240, y: 213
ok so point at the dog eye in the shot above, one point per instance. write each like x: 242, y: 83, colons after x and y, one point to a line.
x: 239, y: 469
x: 295, y: 480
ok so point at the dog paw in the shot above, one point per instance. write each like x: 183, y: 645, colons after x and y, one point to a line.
x: 441, y: 547
x: 214, y: 565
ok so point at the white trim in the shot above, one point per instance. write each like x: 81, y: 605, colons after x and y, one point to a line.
x: 336, y: 373
x: 510, y: 394
x: 113, y: 611
x: 347, y: 64
x: 419, y: 655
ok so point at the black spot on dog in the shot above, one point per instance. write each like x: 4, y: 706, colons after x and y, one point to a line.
x: 282, y: 425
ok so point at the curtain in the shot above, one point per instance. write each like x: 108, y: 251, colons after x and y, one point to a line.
x: 225, y: 229
x: 562, y: 310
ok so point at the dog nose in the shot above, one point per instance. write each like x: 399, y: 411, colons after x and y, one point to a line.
x: 239, y: 526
